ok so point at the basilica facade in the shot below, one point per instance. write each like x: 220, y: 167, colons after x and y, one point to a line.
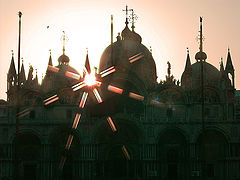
x: 169, y: 130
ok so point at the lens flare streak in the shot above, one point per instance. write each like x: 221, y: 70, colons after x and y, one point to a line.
x: 76, y: 121
x: 79, y: 87
x: 136, y: 96
x: 23, y: 114
x: 62, y: 162
x: 69, y: 142
x: 157, y: 103
x: 97, y: 95
x: 72, y: 75
x: 108, y: 69
x: 83, y: 100
x: 108, y: 72
x: 136, y: 57
x: 51, y: 99
x: 125, y: 152
x: 115, y: 89
x: 110, y: 122
x: 53, y: 69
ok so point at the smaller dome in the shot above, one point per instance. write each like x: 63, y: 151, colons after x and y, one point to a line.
x: 127, y: 34
x: 63, y: 59
x: 3, y: 102
x: 201, y: 55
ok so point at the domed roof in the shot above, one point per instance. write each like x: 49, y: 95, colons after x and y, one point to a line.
x: 59, y: 80
x: 3, y: 102
x: 63, y: 59
x: 119, y: 52
x: 201, y: 55
x: 127, y: 34
x: 210, y: 73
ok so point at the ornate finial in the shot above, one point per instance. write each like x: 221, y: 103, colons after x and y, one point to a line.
x: 50, y: 51
x: 36, y: 71
x: 169, y: 69
x: 187, y: 50
x: 22, y: 60
x: 20, y: 14
x: 201, y: 36
x: 126, y: 14
x: 201, y: 56
x: 87, y: 50
x: 132, y: 18
x: 12, y: 53
x: 64, y: 39
x: 151, y: 49
x: 228, y: 49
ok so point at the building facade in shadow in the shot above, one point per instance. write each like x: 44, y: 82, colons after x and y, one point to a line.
x: 169, y: 130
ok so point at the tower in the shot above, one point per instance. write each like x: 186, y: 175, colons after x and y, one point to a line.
x: 11, y: 75
x: 229, y: 69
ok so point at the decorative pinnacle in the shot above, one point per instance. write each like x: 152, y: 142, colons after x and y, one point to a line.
x: 22, y: 60
x: 187, y: 50
x: 126, y: 14
x: 87, y: 50
x: 64, y: 39
x: 133, y: 17
x: 201, y: 36
x: 50, y: 51
x: 12, y: 53
x: 20, y: 14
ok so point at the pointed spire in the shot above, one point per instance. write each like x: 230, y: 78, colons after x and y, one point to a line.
x: 87, y: 64
x: 201, y: 55
x: 36, y: 78
x: 188, y: 66
x: 221, y: 65
x: 12, y: 69
x: 64, y: 39
x: 133, y: 17
x: 111, y: 29
x: 30, y: 73
x: 22, y: 76
x: 50, y: 58
x: 229, y: 66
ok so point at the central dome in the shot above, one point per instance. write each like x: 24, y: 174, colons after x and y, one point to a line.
x: 118, y: 55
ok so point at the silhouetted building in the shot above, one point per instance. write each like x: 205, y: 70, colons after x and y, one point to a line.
x: 172, y: 130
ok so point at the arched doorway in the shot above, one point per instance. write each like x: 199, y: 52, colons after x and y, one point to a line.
x: 27, y: 156
x: 212, y: 151
x: 58, y: 151
x: 172, y: 155
x: 116, y: 165
x: 113, y: 162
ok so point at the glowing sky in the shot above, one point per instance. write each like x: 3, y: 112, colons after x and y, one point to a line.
x: 168, y: 26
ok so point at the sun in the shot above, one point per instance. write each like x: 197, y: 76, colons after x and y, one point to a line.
x: 90, y: 79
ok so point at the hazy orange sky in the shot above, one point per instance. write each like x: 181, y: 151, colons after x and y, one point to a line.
x: 168, y: 26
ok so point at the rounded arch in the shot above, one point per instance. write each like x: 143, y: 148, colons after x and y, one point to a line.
x: 172, y: 152
x: 173, y: 131
x: 171, y: 94
x: 127, y: 131
x: 21, y: 131
x: 31, y: 98
x: 212, y: 128
x: 27, y: 154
